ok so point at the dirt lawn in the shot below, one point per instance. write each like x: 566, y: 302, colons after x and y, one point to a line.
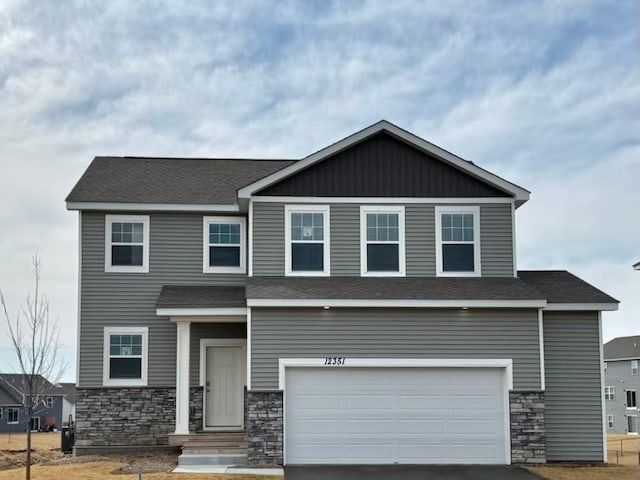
x: 622, y: 449
x: 611, y: 472
x: 105, y: 471
x: 39, y: 441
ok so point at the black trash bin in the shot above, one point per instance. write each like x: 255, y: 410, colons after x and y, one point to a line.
x: 68, y: 436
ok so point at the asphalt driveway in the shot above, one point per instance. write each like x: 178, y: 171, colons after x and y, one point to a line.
x: 408, y: 472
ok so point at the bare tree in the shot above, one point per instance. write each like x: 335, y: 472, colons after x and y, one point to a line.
x: 35, y: 338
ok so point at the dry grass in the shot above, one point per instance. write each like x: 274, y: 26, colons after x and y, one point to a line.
x: 611, y: 472
x: 39, y: 441
x: 105, y: 471
x: 623, y: 449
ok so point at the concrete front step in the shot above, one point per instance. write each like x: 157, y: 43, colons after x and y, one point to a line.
x: 202, y: 459
x: 215, y: 443
x: 214, y: 450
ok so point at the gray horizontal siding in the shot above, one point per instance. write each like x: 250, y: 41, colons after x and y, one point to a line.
x: 495, y: 239
x: 573, y: 404
x: 619, y: 376
x: 387, y: 333
x: 128, y: 299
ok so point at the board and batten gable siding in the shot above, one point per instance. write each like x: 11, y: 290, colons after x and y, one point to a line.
x: 573, y: 397
x: 496, y: 239
x: 129, y: 299
x: 394, y: 333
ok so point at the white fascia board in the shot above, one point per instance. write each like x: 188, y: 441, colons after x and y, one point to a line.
x: 621, y: 359
x: 187, y: 312
x: 381, y: 200
x: 567, y: 307
x: 521, y: 195
x: 349, y: 362
x: 365, y: 303
x: 152, y: 207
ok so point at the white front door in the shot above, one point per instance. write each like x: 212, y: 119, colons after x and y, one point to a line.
x: 224, y: 389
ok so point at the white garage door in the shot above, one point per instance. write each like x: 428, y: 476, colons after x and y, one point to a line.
x: 341, y: 415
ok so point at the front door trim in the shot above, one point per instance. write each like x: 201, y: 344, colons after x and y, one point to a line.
x: 220, y: 342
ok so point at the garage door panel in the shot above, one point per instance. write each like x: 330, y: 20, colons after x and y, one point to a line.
x: 394, y: 415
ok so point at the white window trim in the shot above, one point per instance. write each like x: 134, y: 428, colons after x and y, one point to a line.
x: 109, y: 220
x: 475, y: 211
x: 17, y: 410
x: 609, y: 393
x: 626, y: 399
x: 610, y: 421
x: 123, y: 382
x: 1, y: 412
x: 326, y: 235
x: 206, y: 221
x: 634, y: 366
x: 364, y: 210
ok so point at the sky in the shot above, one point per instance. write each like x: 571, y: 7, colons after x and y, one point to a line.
x: 543, y: 93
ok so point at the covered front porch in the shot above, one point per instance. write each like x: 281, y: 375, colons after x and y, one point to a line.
x: 211, y: 363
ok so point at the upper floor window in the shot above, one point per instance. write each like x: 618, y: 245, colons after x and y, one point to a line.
x: 125, y: 356
x: 126, y: 243
x: 224, y: 245
x: 609, y: 421
x: 631, y: 399
x: 609, y: 393
x: 49, y: 402
x: 458, y: 241
x: 634, y: 367
x: 307, y: 240
x: 605, y: 367
x: 382, y: 251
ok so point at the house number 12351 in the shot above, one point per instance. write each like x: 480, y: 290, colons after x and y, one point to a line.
x: 334, y: 361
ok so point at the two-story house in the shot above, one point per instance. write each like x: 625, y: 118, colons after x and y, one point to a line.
x: 622, y: 384
x: 360, y: 305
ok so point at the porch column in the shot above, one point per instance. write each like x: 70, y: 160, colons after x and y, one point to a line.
x: 182, y: 377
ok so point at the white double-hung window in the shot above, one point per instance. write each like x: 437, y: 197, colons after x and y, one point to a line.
x: 307, y: 240
x: 224, y: 245
x: 126, y: 243
x: 458, y: 241
x: 609, y: 393
x: 382, y: 248
x: 125, y: 356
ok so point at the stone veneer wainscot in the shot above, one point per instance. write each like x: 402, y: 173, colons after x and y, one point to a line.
x: 528, y: 438
x: 264, y: 428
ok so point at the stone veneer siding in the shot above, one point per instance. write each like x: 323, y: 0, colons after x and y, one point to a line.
x: 125, y: 416
x: 528, y: 440
x: 264, y: 428
x: 195, y: 409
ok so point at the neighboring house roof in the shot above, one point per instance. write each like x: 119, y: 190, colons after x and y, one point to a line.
x: 15, y: 383
x: 201, y: 297
x: 636, y: 266
x: 520, y: 194
x: 68, y: 390
x: 560, y: 286
x: 168, y: 181
x: 622, y: 348
x: 7, y: 399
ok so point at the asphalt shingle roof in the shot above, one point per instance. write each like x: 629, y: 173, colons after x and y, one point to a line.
x: 11, y: 381
x: 560, y: 286
x: 622, y: 347
x: 201, y: 297
x: 6, y: 398
x: 169, y: 180
x: 68, y: 390
x: 407, y: 288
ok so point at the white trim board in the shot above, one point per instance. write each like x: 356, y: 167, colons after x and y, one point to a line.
x: 154, y: 207
x: 541, y: 351
x: 382, y: 200
x: 364, y: 303
x: 477, y: 255
x: 520, y: 194
x: 210, y: 312
x: 560, y: 307
x: 364, y: 242
x: 602, y: 401
x: 325, y: 210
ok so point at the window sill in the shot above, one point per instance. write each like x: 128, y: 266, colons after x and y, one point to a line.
x: 121, y: 269
x: 307, y: 274
x: 124, y: 383
x: 383, y: 274
x: 240, y: 270
x: 458, y: 274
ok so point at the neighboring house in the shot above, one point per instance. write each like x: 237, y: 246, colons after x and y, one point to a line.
x: 69, y: 402
x: 13, y: 417
x: 360, y: 305
x: 622, y: 384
